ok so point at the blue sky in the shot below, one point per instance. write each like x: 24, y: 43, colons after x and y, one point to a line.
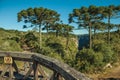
x: 10, y: 8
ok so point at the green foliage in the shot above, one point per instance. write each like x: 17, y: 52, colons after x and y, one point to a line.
x: 88, y: 60
x: 9, y: 45
x: 98, y: 60
x: 106, y: 51
x: 43, y: 50
x: 84, y: 60
x: 85, y: 54
x: 38, y: 17
x: 60, y: 44
x: 31, y: 40
x: 57, y: 47
x: 92, y: 18
x: 1, y: 60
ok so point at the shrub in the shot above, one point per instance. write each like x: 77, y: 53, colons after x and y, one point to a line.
x: 57, y: 47
x: 10, y: 45
x: 85, y: 60
x: 107, y: 52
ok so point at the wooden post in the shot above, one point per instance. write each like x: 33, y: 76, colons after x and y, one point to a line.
x: 35, y: 68
x: 10, y: 72
x: 56, y: 76
x: 60, y: 77
x: 42, y: 72
x: 28, y: 73
x: 15, y: 66
x: 8, y: 63
x: 4, y: 70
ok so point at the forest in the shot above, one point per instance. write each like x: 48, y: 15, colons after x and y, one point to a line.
x: 58, y: 41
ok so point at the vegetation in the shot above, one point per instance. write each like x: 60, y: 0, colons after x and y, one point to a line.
x: 93, y: 17
x: 58, y: 42
x: 38, y: 17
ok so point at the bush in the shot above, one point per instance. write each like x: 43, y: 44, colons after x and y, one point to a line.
x: 98, y: 60
x: 85, y: 60
x: 88, y: 60
x: 57, y: 47
x: 107, y: 52
x: 10, y: 45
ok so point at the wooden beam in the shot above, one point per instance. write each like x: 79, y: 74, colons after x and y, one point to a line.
x: 10, y: 72
x: 21, y: 56
x: 28, y: 73
x: 63, y: 69
x: 35, y: 68
x: 42, y: 72
x: 60, y: 77
x: 4, y: 70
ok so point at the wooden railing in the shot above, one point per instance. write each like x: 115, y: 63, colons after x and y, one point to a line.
x: 60, y: 69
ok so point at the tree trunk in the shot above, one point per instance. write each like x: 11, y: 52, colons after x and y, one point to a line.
x: 67, y: 41
x: 119, y: 29
x: 109, y: 29
x: 40, y: 37
x: 94, y: 33
x: 90, y: 36
x: 57, y: 33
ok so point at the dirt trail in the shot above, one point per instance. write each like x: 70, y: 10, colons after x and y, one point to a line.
x: 110, y: 73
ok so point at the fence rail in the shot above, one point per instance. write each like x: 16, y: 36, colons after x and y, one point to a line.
x: 60, y: 69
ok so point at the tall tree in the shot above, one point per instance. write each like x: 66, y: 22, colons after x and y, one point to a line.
x: 98, y: 26
x: 108, y: 13
x: 38, y: 17
x: 117, y: 10
x: 84, y: 17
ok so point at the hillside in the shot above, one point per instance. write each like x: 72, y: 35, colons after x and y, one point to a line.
x: 13, y: 40
x: 6, y: 41
x: 88, y: 61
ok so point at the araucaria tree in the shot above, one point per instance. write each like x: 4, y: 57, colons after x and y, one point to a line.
x: 93, y: 17
x: 84, y: 17
x: 38, y: 17
x: 110, y: 12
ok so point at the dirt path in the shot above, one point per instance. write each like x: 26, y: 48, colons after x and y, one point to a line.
x: 112, y: 73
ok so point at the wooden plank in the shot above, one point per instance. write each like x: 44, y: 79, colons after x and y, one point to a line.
x: 22, y: 56
x: 60, y: 77
x: 35, y: 68
x: 53, y: 64
x: 40, y: 69
x: 4, y: 70
x: 10, y: 72
x: 55, y: 67
x: 67, y: 72
x: 28, y: 73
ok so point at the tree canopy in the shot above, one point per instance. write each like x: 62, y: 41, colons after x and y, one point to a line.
x: 38, y: 17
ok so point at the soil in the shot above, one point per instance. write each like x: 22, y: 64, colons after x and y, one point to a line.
x: 109, y: 73
x: 112, y: 73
